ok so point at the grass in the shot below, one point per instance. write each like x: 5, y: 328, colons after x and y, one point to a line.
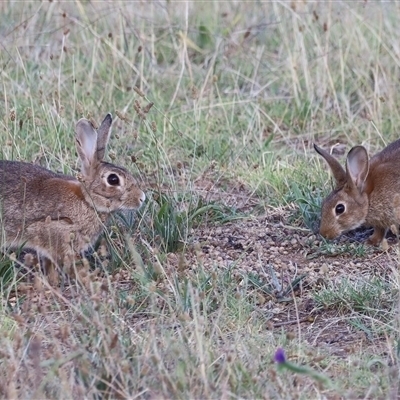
x: 216, y: 109
x: 370, y: 297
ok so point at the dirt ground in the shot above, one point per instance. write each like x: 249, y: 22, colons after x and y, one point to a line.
x: 278, y: 253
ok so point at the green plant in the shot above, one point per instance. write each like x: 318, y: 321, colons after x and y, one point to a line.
x: 374, y: 297
x: 276, y: 289
x: 171, y: 218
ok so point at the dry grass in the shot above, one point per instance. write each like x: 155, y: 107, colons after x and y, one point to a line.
x: 240, y: 90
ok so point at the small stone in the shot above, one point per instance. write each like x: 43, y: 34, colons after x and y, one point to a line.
x: 324, y: 268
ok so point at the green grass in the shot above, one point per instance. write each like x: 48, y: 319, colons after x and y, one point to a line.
x: 371, y: 297
x: 215, y: 111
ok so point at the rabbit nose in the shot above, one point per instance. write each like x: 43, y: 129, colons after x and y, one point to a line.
x: 142, y: 198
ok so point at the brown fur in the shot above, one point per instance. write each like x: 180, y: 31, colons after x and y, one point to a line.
x: 369, y: 190
x: 57, y: 215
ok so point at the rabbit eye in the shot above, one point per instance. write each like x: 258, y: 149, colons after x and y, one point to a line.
x: 113, y: 179
x: 339, y: 209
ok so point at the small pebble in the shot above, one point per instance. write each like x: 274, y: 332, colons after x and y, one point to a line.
x: 324, y: 268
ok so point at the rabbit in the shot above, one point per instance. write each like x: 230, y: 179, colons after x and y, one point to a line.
x: 60, y: 216
x: 367, y: 192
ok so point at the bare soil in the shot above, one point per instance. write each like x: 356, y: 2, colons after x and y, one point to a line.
x: 277, y: 253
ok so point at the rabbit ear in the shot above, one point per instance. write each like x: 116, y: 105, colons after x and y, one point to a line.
x: 337, y: 170
x: 357, y: 166
x: 103, y: 135
x: 86, y: 144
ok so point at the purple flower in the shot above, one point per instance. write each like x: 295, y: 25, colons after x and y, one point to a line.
x: 280, y: 356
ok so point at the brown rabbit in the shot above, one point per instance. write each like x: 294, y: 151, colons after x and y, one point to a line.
x: 367, y: 192
x: 60, y: 216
